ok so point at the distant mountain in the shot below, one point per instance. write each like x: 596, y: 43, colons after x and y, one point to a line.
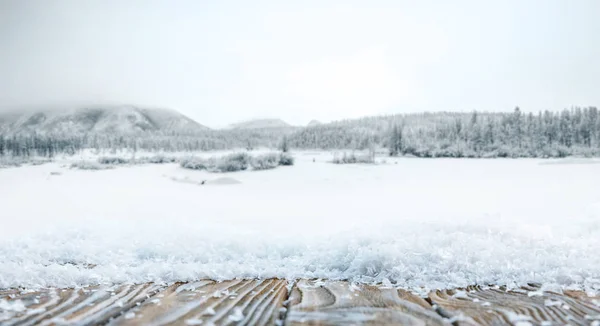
x: 261, y: 124
x: 313, y: 123
x: 120, y: 120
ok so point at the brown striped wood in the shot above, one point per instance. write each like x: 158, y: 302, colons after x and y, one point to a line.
x: 478, y: 305
x: 342, y: 303
x: 236, y: 302
x: 310, y: 302
x: 84, y: 306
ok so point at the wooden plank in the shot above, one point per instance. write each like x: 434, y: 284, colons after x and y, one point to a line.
x: 342, y: 303
x: 84, y: 306
x: 477, y: 305
x: 238, y: 302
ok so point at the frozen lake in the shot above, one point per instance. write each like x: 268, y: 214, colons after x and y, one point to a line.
x: 419, y: 223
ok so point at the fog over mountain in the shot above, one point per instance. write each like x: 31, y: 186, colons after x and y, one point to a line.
x: 117, y: 119
x: 260, y: 124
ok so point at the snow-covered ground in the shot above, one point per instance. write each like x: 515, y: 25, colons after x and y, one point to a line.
x: 418, y: 223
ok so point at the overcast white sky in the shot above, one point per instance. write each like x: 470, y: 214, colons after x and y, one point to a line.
x: 225, y: 61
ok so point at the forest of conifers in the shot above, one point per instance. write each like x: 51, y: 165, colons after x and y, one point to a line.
x: 569, y: 132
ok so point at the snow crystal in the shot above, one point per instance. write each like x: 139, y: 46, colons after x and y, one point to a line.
x: 517, y: 319
x: 237, y: 314
x: 538, y: 293
x: 16, y: 305
x: 460, y: 295
x: 551, y: 303
x: 209, y: 312
x: 9, y: 308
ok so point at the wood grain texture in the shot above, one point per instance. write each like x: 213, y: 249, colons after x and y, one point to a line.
x: 85, y: 306
x: 477, y: 305
x: 236, y: 302
x: 343, y: 303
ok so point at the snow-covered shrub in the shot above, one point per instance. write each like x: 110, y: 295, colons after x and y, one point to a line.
x: 228, y: 163
x: 265, y: 161
x: 562, y: 151
x: 9, y: 161
x: 286, y: 159
x: 157, y: 159
x: 39, y: 161
x: 353, y: 159
x: 16, y: 161
x: 232, y: 163
x: 194, y: 163
x: 237, y: 162
x: 271, y: 161
x: 112, y: 160
x: 90, y: 165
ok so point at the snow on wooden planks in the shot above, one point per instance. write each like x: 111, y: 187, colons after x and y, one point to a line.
x: 478, y: 305
x: 343, y: 303
x: 87, y: 306
x: 311, y: 302
x: 237, y: 302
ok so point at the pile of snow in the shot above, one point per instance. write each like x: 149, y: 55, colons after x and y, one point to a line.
x: 224, y: 181
x: 418, y: 224
x: 201, y: 181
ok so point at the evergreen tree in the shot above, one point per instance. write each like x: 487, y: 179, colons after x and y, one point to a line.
x: 284, y: 145
x: 395, y: 141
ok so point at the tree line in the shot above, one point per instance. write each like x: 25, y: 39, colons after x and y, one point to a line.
x: 49, y: 145
x: 574, y: 131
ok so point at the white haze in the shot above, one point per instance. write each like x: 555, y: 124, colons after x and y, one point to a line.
x: 223, y: 61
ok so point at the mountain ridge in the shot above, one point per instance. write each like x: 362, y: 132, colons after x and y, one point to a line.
x: 101, y: 119
x: 270, y: 123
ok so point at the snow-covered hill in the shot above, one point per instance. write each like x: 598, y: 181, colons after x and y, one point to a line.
x: 121, y: 119
x: 313, y: 123
x: 260, y: 124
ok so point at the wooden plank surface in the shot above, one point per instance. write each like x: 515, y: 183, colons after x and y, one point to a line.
x: 343, y: 303
x: 85, y: 306
x: 478, y: 305
x: 310, y: 302
x: 236, y: 302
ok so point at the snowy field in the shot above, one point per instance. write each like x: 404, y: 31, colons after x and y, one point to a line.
x: 417, y: 223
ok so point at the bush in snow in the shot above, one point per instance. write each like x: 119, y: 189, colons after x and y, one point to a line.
x: 112, y: 160
x: 271, y: 161
x: 286, y: 159
x: 39, y: 161
x: 10, y: 161
x: 90, y: 165
x: 237, y: 162
x: 232, y: 163
x: 194, y: 163
x: 353, y: 159
x: 265, y: 161
x: 16, y: 161
x: 228, y: 163
x: 157, y: 159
